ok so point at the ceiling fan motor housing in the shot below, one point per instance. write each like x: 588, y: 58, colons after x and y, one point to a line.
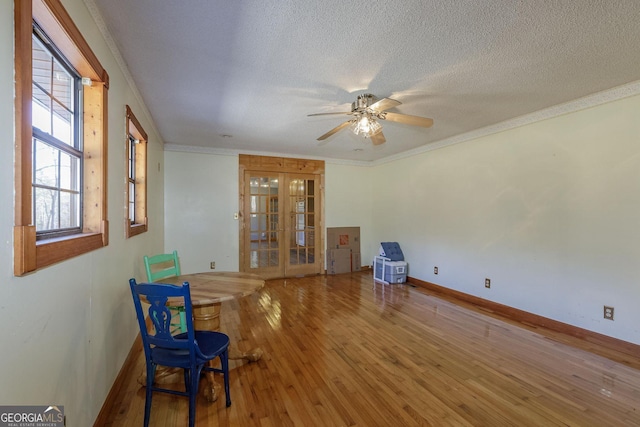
x: 363, y: 102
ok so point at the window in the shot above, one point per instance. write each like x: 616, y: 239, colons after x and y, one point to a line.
x: 61, y: 129
x: 136, y: 149
x: 56, y: 150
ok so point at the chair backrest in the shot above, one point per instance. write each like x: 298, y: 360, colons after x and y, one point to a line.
x: 168, y: 263
x: 159, y: 338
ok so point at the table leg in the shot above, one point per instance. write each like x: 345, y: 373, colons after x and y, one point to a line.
x: 252, y: 355
x: 207, y: 318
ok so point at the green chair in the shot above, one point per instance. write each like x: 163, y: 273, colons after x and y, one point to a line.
x: 165, y: 265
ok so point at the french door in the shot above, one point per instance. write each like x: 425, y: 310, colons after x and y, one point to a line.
x: 282, y: 229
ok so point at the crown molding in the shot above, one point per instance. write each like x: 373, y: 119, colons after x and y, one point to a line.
x: 593, y: 100
x: 227, y: 152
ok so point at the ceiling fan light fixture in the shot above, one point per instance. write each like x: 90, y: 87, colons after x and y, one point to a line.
x: 366, y: 126
x: 366, y: 111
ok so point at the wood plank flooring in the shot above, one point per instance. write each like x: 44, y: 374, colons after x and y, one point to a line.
x: 344, y: 351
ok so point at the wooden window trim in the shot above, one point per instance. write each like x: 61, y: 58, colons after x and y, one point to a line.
x: 30, y: 255
x: 140, y: 225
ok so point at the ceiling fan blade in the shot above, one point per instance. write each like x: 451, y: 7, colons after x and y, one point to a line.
x: 384, y: 104
x: 335, y: 130
x: 409, y: 120
x: 327, y: 114
x: 378, y: 138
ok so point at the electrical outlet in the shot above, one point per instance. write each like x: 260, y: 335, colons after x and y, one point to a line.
x: 487, y: 283
x: 435, y: 270
x: 213, y: 265
x: 608, y: 312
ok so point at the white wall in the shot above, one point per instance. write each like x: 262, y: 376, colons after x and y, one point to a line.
x: 349, y: 202
x: 201, y: 196
x: 549, y: 212
x: 68, y: 328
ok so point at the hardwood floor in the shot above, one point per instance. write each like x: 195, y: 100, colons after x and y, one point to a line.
x: 343, y: 351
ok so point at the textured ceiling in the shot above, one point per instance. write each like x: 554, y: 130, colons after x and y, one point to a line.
x: 254, y: 69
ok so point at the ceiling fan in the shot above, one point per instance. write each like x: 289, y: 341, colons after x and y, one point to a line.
x: 367, y: 110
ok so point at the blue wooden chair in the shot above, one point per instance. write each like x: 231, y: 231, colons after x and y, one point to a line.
x: 161, y: 266
x: 190, y: 350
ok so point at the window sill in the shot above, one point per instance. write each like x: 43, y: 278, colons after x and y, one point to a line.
x: 51, y: 251
x: 135, y: 229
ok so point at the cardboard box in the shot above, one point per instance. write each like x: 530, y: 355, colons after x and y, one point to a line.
x: 338, y: 261
x: 340, y: 238
x: 356, y: 261
x: 344, y: 238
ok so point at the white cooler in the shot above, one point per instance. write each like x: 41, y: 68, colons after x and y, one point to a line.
x: 387, y: 271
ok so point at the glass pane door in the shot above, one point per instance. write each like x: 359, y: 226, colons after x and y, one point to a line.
x: 281, y: 222
x: 301, y: 253
x: 264, y: 224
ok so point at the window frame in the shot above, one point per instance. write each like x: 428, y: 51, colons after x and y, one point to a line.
x: 139, y: 180
x: 48, y: 138
x: 53, y: 19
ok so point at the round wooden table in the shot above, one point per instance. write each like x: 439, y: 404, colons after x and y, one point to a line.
x: 208, y: 290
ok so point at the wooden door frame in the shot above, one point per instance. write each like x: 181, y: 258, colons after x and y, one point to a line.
x: 251, y: 163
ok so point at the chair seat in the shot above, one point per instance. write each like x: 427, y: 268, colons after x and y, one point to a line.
x: 210, y: 344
